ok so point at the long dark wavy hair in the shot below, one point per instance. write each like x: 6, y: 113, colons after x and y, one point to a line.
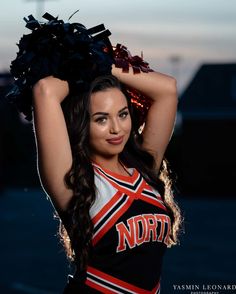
x: 76, y: 227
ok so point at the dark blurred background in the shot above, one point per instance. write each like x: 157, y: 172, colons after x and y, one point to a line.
x: 193, y: 41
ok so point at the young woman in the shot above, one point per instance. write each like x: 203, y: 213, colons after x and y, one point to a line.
x: 106, y: 177
x: 106, y: 180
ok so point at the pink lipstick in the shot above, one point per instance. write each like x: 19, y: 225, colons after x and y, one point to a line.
x: 116, y: 140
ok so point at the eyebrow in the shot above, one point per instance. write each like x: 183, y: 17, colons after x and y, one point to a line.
x: 106, y: 113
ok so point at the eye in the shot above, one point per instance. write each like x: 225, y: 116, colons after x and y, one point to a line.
x: 101, y: 119
x: 124, y: 114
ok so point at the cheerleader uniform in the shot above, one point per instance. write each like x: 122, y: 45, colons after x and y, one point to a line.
x: 131, y: 229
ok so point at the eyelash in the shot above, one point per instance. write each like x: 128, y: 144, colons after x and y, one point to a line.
x: 102, y: 119
x: 124, y: 114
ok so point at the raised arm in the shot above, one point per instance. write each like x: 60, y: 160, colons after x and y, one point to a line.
x: 54, y: 156
x: 160, y: 121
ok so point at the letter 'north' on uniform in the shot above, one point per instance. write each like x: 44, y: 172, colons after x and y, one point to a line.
x: 163, y: 219
x: 152, y: 227
x: 141, y: 229
x: 125, y: 234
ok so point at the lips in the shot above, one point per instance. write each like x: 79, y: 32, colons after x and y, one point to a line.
x: 116, y: 140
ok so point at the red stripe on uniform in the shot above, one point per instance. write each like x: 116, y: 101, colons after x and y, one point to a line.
x: 107, y: 207
x: 118, y: 282
x: 112, y: 221
x: 152, y: 201
x: 130, y: 179
x: 100, y: 288
x: 156, y: 288
x: 140, y: 189
x: 151, y: 190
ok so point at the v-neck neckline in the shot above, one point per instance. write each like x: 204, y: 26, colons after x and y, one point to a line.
x: 116, y: 175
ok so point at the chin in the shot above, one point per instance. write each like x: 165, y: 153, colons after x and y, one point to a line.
x: 115, y: 151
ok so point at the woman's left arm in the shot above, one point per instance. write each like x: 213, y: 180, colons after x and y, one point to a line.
x: 160, y: 120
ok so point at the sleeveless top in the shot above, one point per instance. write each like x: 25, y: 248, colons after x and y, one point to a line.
x: 131, y: 229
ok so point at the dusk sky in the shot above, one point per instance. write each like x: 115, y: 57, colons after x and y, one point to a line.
x: 195, y: 32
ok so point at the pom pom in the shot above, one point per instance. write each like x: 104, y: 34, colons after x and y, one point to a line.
x: 68, y: 51
x: 123, y: 59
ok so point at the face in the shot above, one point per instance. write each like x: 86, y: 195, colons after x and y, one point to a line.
x: 110, y: 123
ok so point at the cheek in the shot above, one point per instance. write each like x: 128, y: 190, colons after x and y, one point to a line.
x: 127, y: 126
x: 97, y: 131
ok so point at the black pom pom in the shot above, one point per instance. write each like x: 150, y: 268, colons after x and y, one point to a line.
x: 68, y: 51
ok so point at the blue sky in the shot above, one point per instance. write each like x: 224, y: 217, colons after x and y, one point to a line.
x: 197, y: 32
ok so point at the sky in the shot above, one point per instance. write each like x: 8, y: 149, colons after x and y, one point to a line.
x: 175, y: 36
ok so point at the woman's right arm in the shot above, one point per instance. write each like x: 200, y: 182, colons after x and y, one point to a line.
x: 54, y: 157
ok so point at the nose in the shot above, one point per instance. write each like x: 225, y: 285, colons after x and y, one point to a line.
x: 114, y: 127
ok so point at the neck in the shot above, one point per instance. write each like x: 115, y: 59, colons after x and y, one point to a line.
x: 113, y: 164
